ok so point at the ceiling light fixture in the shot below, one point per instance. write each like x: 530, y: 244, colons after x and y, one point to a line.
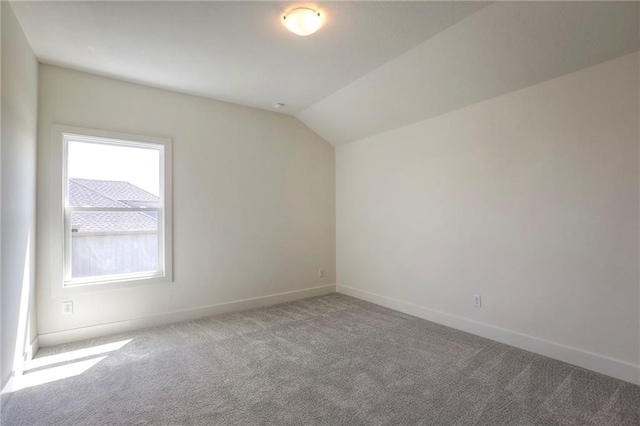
x: 302, y: 21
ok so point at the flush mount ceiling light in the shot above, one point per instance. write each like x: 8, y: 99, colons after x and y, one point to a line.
x: 302, y: 21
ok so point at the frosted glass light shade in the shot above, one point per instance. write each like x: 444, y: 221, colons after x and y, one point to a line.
x: 302, y: 21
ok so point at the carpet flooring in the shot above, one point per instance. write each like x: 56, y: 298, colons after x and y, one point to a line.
x: 330, y: 360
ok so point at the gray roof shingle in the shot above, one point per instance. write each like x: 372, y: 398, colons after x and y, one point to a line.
x: 85, y: 222
x: 116, y: 190
x: 100, y: 193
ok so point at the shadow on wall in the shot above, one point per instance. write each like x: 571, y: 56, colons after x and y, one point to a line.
x: 29, y: 373
x: 23, y: 330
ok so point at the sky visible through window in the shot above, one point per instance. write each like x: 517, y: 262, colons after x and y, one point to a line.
x: 138, y: 166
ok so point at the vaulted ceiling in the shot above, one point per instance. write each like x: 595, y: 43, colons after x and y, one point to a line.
x: 373, y: 67
x: 504, y: 47
x: 233, y: 51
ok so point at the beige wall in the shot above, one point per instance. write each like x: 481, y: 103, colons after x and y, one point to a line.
x: 253, y: 191
x: 529, y: 199
x: 18, y: 177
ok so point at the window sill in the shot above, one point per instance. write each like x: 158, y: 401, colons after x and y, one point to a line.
x: 112, y: 283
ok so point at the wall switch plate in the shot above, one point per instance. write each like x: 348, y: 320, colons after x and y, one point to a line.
x: 321, y: 273
x: 67, y: 308
x: 477, y: 301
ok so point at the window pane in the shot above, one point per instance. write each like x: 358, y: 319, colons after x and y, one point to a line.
x: 113, y: 243
x: 102, y: 175
x: 111, y: 174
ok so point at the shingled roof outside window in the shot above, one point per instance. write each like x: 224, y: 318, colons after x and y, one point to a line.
x: 108, y: 193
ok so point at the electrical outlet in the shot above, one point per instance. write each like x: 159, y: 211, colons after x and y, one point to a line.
x: 477, y: 301
x: 67, y: 308
x: 321, y: 273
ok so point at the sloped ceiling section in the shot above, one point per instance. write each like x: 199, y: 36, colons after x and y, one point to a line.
x: 234, y: 51
x: 501, y: 48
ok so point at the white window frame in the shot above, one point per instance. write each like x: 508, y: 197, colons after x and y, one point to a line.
x: 61, y: 135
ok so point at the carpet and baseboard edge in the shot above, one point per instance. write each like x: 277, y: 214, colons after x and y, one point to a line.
x: 10, y: 384
x: 601, y: 364
x: 90, y: 332
x: 6, y: 390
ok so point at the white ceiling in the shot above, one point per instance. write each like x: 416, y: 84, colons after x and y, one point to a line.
x: 375, y: 66
x: 232, y: 51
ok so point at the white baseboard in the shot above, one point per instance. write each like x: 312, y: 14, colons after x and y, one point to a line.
x: 91, y: 332
x: 33, y: 347
x: 602, y: 364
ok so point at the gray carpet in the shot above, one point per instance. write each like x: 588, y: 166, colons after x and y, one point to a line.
x: 330, y: 360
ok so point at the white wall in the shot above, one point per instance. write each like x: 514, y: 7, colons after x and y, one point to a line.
x: 529, y: 199
x: 254, y: 202
x: 18, y: 177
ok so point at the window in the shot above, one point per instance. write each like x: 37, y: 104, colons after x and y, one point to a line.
x: 115, y: 201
